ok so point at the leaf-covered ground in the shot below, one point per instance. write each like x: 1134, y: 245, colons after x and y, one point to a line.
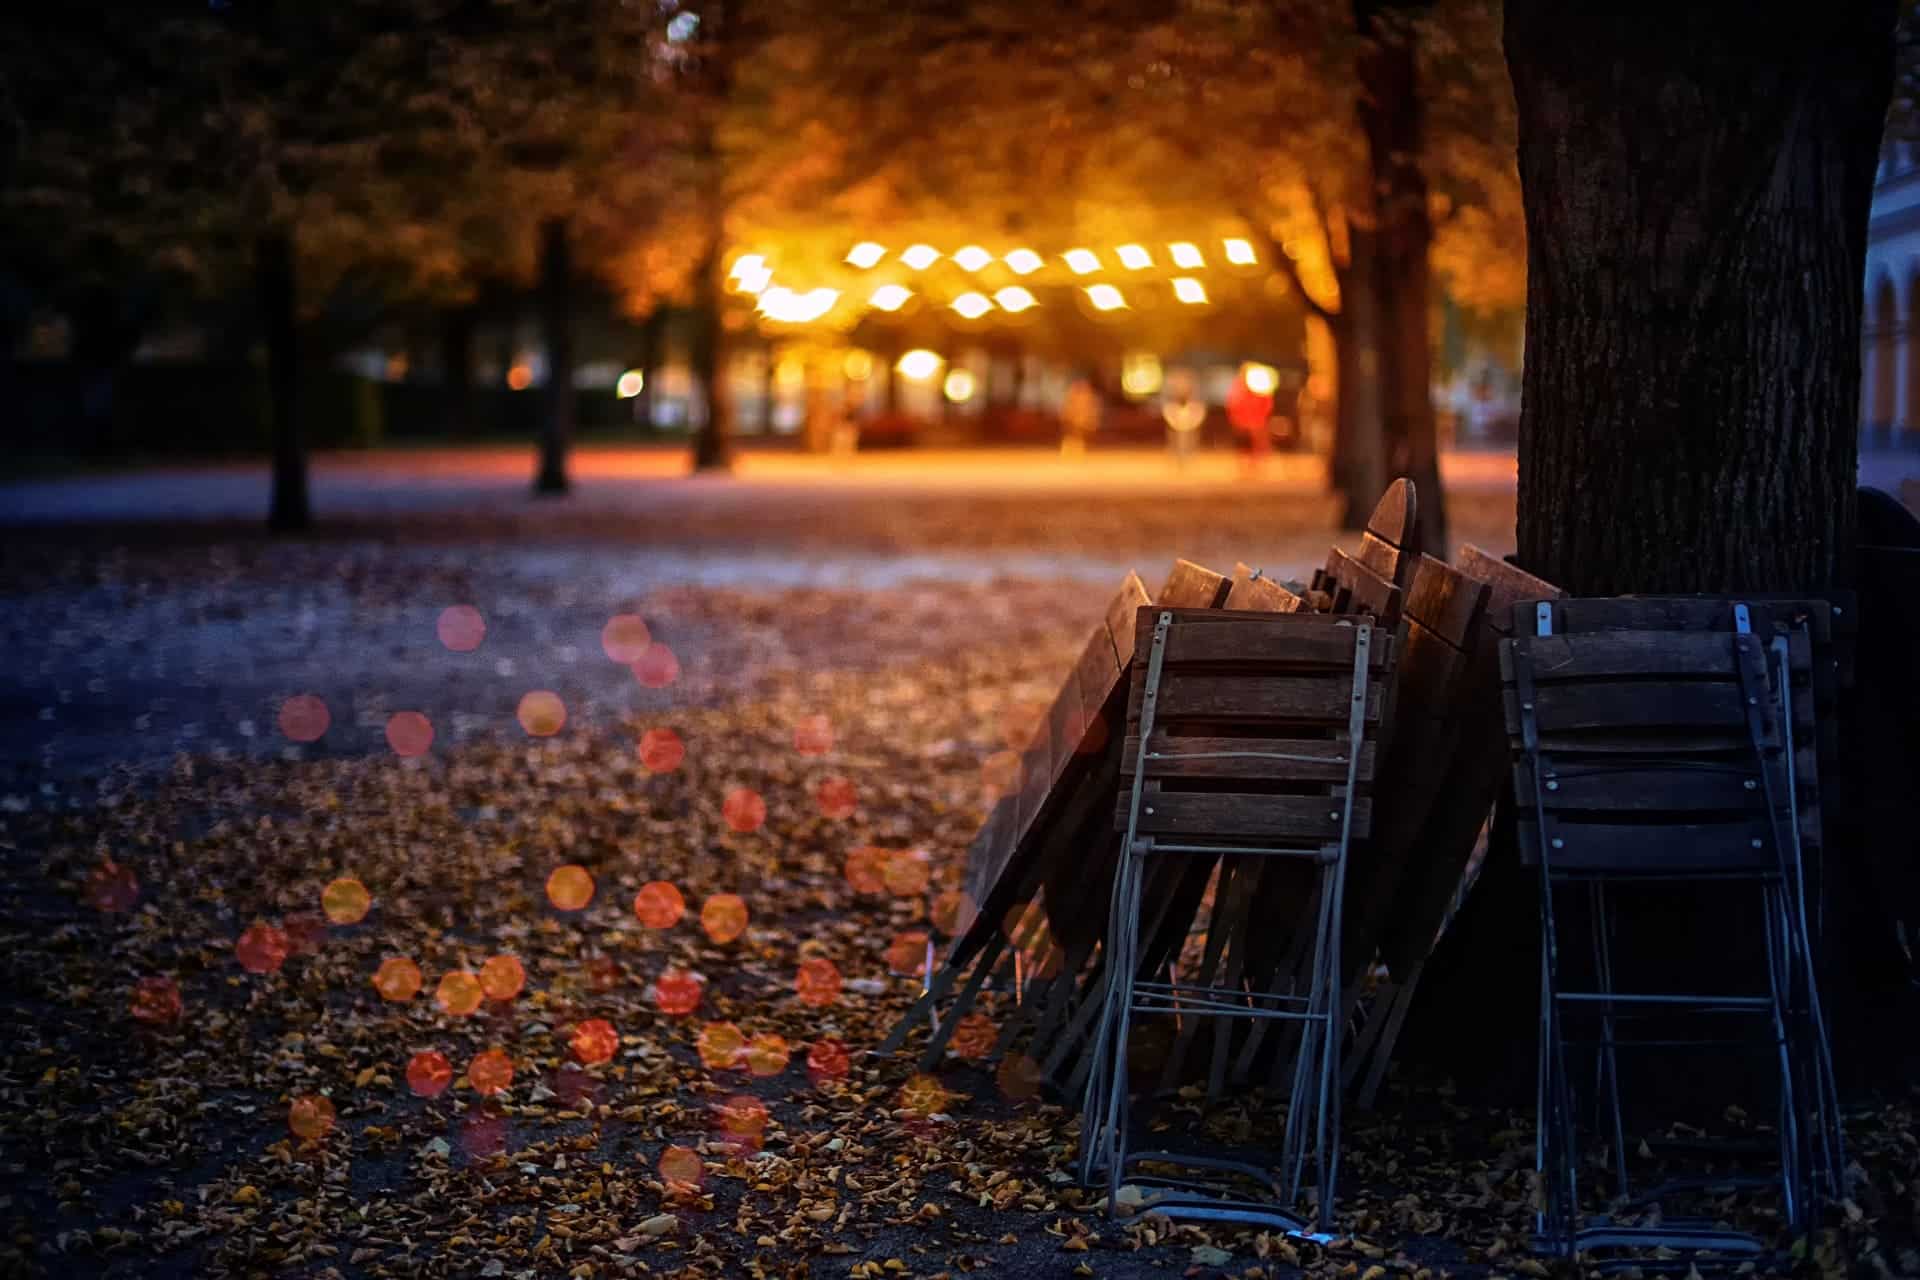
x: 200, y: 1076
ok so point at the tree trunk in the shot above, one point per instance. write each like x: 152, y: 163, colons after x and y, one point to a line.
x: 274, y: 282
x: 456, y: 370
x: 1696, y: 197
x: 1358, y: 467
x: 713, y: 445
x: 1392, y: 120
x: 556, y: 298
x: 769, y: 390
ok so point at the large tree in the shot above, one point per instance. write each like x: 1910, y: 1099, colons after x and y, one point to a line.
x: 1696, y: 196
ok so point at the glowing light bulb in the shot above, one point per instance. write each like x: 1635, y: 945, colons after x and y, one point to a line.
x: 1105, y: 297
x: 919, y: 365
x: 866, y: 253
x: 972, y: 258
x: 972, y: 305
x: 1134, y: 257
x: 1186, y: 254
x: 1261, y: 379
x: 745, y: 265
x: 1082, y: 260
x: 1239, y: 252
x: 920, y: 256
x: 1013, y: 298
x: 890, y: 297
x: 1187, y: 289
x: 631, y: 384
x: 960, y: 386
x: 1022, y: 261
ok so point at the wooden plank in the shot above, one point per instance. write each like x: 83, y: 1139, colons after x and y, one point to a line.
x: 1395, y: 518
x: 1367, y: 591
x: 1643, y: 789
x: 1304, y: 699
x: 1447, y: 601
x: 1676, y: 849
x: 1380, y: 557
x: 1507, y: 584
x: 1641, y: 708
x: 1638, y: 653
x: 991, y: 849
x: 1120, y: 610
x: 1192, y: 586
x: 1180, y: 762
x: 1218, y: 815
x: 1266, y: 641
x: 1262, y: 595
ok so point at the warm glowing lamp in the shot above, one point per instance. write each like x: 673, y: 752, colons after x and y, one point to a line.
x: 1082, y: 260
x: 1187, y: 289
x: 919, y: 365
x: 1022, y: 261
x: 631, y: 383
x: 1013, y: 298
x: 1105, y: 297
x: 972, y: 258
x: 920, y: 256
x: 890, y: 297
x: 1134, y: 257
x: 866, y: 253
x: 972, y: 305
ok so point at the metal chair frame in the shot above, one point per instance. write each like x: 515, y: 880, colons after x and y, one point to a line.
x: 1314, y: 1104
x: 1811, y: 1158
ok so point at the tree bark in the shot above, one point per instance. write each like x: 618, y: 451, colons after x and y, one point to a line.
x: 713, y: 445
x: 556, y: 297
x: 1696, y: 196
x: 1358, y: 469
x: 456, y: 370
x: 287, y: 510
x: 1392, y: 119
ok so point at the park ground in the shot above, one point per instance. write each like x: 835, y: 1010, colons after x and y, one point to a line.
x: 857, y: 643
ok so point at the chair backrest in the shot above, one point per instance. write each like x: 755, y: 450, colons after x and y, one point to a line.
x: 1647, y: 750
x: 1375, y: 579
x: 1250, y: 734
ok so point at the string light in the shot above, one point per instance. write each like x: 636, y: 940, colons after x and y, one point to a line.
x: 1187, y: 289
x: 1186, y: 254
x: 866, y: 254
x: 1022, y: 261
x: 1105, y: 297
x: 1082, y: 260
x: 1013, y: 298
x: 920, y: 256
x: 890, y: 297
x: 1239, y: 252
x: 1134, y: 257
x: 972, y: 305
x: 972, y: 258
x: 919, y: 365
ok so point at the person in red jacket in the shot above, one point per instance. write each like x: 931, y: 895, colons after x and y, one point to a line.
x: 1249, y: 406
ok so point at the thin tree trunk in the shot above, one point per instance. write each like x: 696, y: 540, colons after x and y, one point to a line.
x: 769, y: 389
x: 456, y: 370
x: 1391, y: 117
x: 1358, y: 468
x: 287, y: 510
x: 713, y: 445
x: 649, y: 366
x: 556, y: 297
x: 1696, y: 197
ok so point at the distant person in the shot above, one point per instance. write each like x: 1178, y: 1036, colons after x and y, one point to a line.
x: 1184, y: 413
x: 1079, y: 418
x: 1249, y: 410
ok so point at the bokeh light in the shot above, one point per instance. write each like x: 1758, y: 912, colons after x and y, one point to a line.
x: 767, y: 1056
x: 661, y: 751
x: 724, y: 917
x: 429, y: 1074
x: 743, y: 1122
x: 409, y: 733
x: 111, y: 886
x: 974, y: 1036
x: 459, y: 993
x: 953, y: 912
x: 744, y: 810
x: 906, y: 873
x: 682, y: 1170
x: 461, y: 628
x: 923, y: 1095
x: 503, y: 977
x: 490, y: 1071
x: 827, y: 1060
x: 156, y: 1001
x: 836, y: 798
x: 570, y: 888
x: 625, y: 638
x: 659, y: 905
x: 304, y: 718
x: 676, y: 993
x: 593, y: 1041
x: 866, y: 869
x: 345, y: 901
x: 813, y: 735
x: 657, y: 667
x: 907, y: 955
x: 1019, y: 1077
x: 720, y: 1045
x: 262, y: 948
x: 541, y: 713
x: 818, y: 982
x: 397, y: 979
x: 310, y: 1117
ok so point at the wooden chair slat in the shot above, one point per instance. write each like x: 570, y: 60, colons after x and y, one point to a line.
x: 1221, y: 816
x: 1266, y: 640
x: 1192, y: 586
x: 1235, y: 699
x: 1643, y: 653
x: 1670, y: 849
x: 1187, y: 758
x: 1120, y: 610
x: 1641, y: 708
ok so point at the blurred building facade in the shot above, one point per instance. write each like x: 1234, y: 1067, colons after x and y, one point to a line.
x: 1890, y: 339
